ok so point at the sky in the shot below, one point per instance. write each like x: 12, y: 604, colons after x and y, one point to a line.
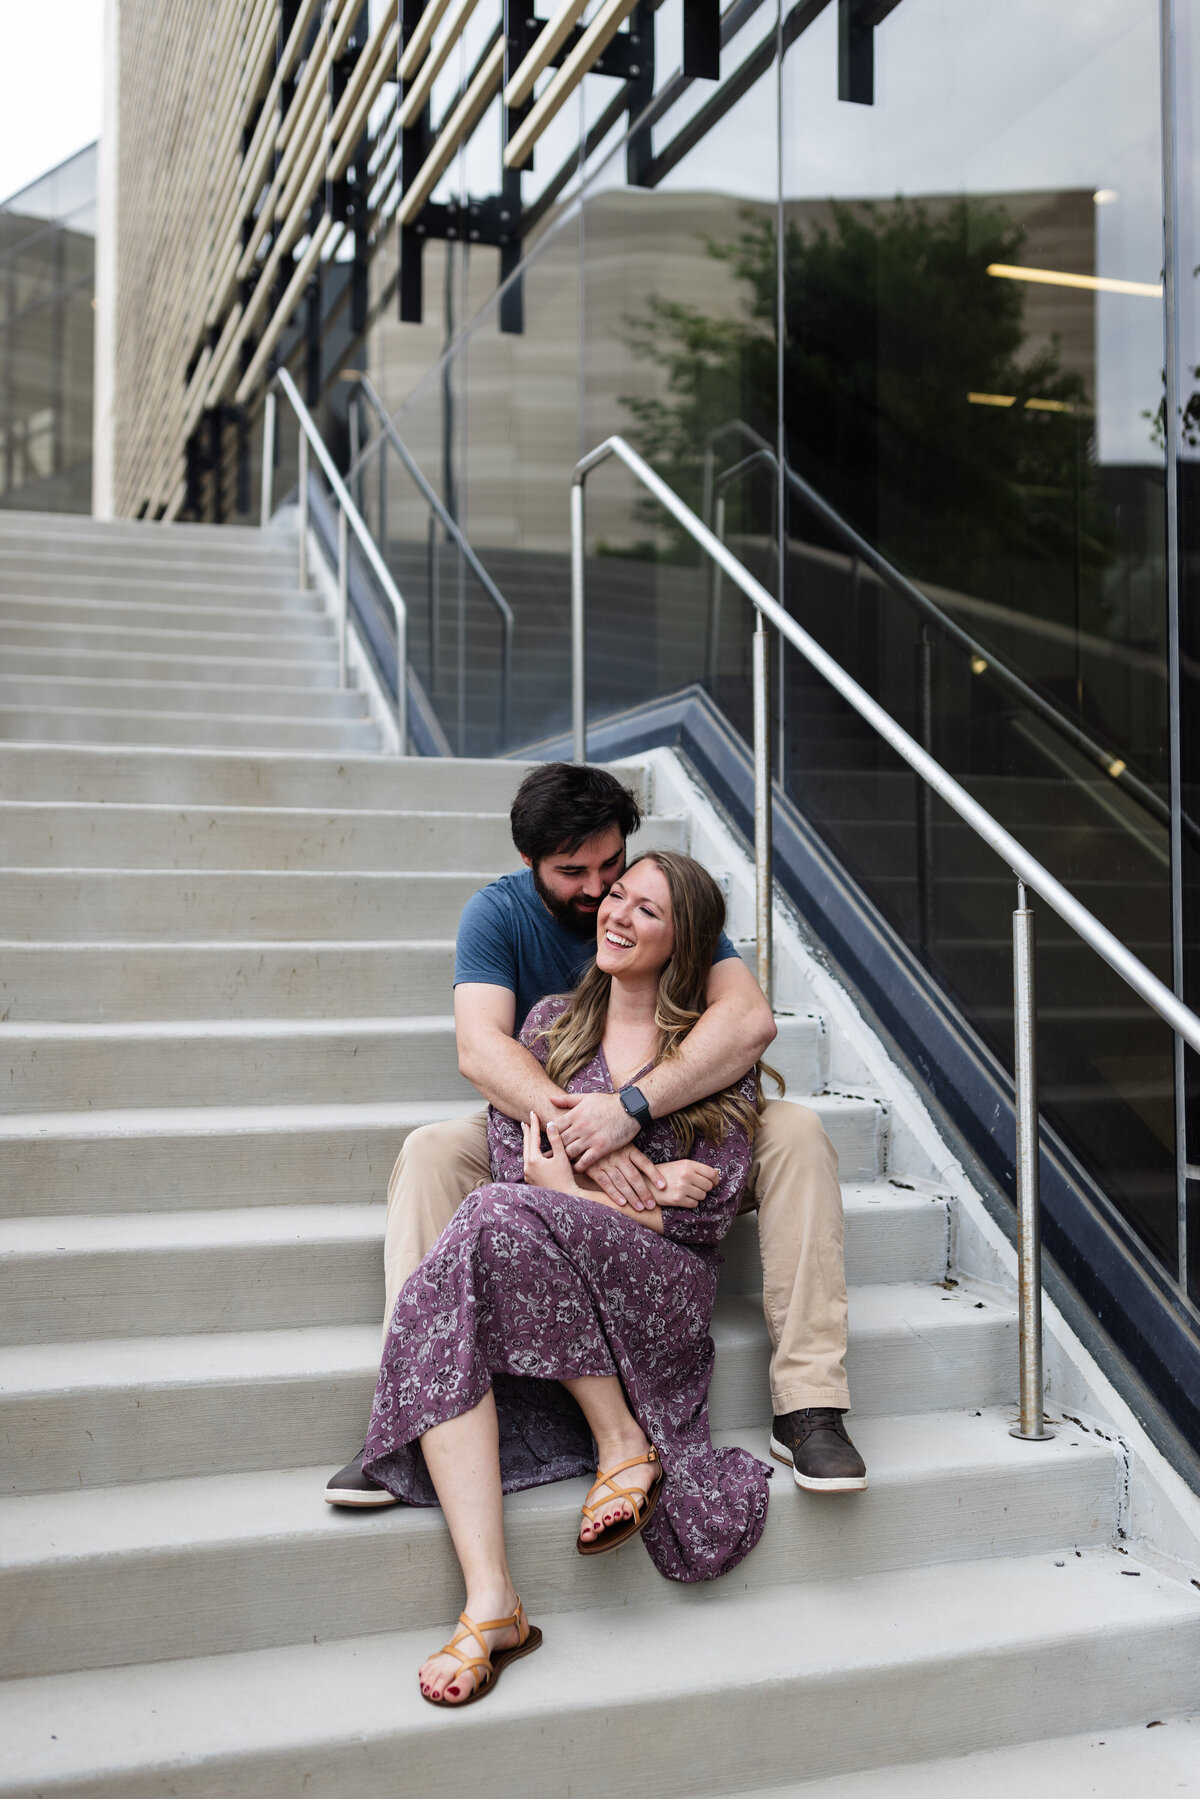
x: 49, y: 85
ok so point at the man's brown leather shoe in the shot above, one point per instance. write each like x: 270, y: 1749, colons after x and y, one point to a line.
x: 350, y: 1486
x: 821, y: 1455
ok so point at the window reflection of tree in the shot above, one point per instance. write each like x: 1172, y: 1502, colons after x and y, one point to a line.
x: 892, y: 321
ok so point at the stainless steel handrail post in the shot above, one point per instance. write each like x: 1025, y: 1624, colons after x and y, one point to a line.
x: 268, y: 459
x: 578, y: 621
x: 343, y: 581
x: 302, y: 569
x: 310, y: 436
x: 763, y: 874
x: 1031, y: 1428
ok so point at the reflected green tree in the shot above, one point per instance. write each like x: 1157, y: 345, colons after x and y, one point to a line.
x: 891, y: 323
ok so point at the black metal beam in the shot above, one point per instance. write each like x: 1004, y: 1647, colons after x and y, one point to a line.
x: 856, y: 51
x: 414, y: 147
x: 702, y: 39
x: 639, y: 92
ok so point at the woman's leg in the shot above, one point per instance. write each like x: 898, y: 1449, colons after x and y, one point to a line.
x: 601, y: 1399
x: 463, y: 1459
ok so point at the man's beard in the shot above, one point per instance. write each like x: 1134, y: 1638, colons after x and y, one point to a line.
x: 582, y: 922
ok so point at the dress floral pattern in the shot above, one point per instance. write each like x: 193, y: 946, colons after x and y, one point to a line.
x: 526, y: 1288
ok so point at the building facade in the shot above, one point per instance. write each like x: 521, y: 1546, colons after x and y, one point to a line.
x: 47, y: 284
x: 935, y: 261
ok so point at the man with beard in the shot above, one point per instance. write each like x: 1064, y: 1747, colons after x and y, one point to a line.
x: 533, y: 933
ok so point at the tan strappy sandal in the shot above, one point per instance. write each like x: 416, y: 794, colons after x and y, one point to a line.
x: 529, y: 1638
x: 643, y: 1505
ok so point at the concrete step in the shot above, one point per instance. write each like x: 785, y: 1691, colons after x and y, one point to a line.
x: 77, y: 534
x: 62, y: 661
x: 167, y: 905
x: 45, y: 691
x: 256, y: 1061
x: 86, y: 576
x: 39, y: 834
x: 204, y: 730
x: 268, y: 1062
x: 96, y: 983
x: 220, y: 1563
x: 157, y: 603
x: 233, y: 778
x: 898, y: 1670
x: 273, y: 1267
x: 107, y: 1411
x: 236, y: 614
x: 180, y: 1159
x: 295, y: 644
x: 1158, y: 1755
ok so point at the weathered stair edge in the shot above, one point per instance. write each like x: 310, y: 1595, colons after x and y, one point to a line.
x: 1159, y: 1512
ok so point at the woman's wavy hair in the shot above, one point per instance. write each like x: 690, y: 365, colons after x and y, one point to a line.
x: 698, y: 913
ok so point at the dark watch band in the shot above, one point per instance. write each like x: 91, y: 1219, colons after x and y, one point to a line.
x: 637, y: 1105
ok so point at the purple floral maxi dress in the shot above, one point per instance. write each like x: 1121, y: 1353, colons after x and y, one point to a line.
x: 526, y: 1288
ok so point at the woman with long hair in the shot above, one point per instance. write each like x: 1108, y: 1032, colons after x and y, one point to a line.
x: 547, y: 1319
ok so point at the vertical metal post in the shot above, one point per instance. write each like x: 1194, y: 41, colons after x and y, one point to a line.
x: 714, y: 594
x: 343, y: 580
x: 354, y: 424
x: 1032, y: 1426
x: 402, y: 683
x: 432, y: 567
x: 382, y: 536
x: 578, y: 628
x: 268, y: 459
x: 303, y: 532
x: 762, y: 805
x: 925, y: 869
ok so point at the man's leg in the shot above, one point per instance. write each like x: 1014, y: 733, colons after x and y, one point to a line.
x: 795, y: 1187
x: 435, y: 1170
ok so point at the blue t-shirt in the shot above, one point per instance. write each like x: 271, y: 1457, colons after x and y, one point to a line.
x: 507, y: 938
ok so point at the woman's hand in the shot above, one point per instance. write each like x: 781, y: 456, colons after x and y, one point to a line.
x: 687, y: 1183
x: 553, y: 1171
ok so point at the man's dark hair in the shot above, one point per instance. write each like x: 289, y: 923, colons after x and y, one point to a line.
x: 561, y: 805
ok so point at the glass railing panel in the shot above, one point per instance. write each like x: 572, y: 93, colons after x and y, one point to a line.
x: 992, y: 434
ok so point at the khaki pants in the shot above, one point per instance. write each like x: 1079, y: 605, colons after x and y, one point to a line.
x: 793, y: 1185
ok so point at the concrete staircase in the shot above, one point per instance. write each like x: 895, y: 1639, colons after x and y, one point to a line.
x: 224, y: 992
x: 166, y: 634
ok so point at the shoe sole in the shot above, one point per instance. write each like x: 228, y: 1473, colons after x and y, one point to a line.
x: 346, y: 1496
x: 842, y: 1483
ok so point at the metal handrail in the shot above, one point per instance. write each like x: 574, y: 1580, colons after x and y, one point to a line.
x: 433, y: 500
x: 349, y: 519
x: 982, y: 657
x: 1029, y: 871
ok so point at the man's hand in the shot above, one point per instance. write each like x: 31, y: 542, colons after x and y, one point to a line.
x: 596, y: 1124
x: 629, y: 1179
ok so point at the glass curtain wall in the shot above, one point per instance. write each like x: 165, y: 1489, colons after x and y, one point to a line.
x: 47, y: 281
x: 886, y: 305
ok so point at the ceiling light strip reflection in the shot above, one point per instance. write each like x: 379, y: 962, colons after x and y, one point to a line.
x: 1098, y: 284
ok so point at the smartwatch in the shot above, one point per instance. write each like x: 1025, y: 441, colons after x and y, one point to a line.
x: 637, y: 1105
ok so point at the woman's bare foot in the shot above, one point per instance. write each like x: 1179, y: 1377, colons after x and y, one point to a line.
x: 641, y: 1476
x: 443, y: 1677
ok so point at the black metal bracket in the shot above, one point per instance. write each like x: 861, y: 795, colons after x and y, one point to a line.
x: 857, y: 20
x: 491, y: 221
